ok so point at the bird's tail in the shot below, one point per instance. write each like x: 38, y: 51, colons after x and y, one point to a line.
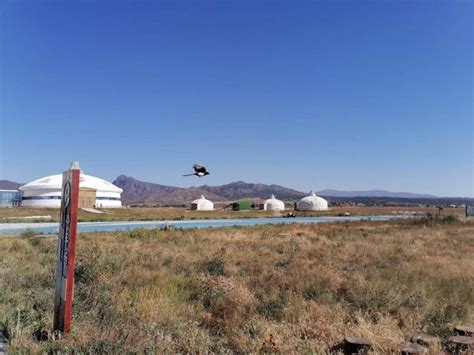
x: 188, y: 175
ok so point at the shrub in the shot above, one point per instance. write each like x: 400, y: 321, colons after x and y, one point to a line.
x: 215, y: 266
x: 136, y: 233
x: 273, y: 308
x: 311, y: 293
x: 440, y: 318
x: 283, y: 263
x: 190, y: 290
x: 142, y: 233
x: 212, y: 300
x: 84, y: 273
x: 28, y: 234
x: 432, y: 220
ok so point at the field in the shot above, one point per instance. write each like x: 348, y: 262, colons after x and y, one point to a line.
x: 278, y: 289
x: 10, y: 215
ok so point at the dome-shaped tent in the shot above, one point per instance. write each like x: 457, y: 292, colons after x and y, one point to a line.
x: 312, y: 203
x: 272, y: 204
x: 46, y: 192
x: 202, y: 204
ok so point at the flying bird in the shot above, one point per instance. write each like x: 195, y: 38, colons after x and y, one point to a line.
x: 199, y: 171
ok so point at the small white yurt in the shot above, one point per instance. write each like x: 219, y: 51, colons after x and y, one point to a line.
x: 202, y: 204
x: 272, y: 204
x: 312, y: 203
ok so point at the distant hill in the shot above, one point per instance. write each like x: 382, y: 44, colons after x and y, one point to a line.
x: 9, y: 185
x: 136, y: 191
x: 241, y: 189
x: 373, y: 193
x: 432, y: 201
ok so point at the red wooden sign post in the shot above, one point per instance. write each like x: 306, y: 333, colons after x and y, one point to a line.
x: 66, y: 248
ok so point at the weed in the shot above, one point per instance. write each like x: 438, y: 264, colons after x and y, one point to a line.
x: 432, y: 220
x: 273, y: 308
x: 236, y: 291
x: 84, y: 273
x: 215, y: 266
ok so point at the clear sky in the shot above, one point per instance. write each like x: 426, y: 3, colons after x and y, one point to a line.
x: 349, y: 95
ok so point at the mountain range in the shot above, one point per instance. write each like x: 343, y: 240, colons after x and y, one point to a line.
x: 9, y: 185
x: 373, y: 193
x: 140, y: 192
x: 136, y: 191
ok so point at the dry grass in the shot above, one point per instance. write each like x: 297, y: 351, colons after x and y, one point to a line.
x: 280, y: 289
x: 7, y: 215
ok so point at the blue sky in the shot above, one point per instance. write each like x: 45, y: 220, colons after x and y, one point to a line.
x: 348, y: 95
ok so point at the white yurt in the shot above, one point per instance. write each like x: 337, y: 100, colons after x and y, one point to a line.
x: 312, y: 203
x: 46, y: 192
x: 202, y: 204
x: 272, y: 204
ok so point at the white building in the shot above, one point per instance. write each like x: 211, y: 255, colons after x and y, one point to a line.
x: 312, y: 203
x: 46, y: 192
x: 272, y: 204
x: 202, y: 204
x: 10, y: 198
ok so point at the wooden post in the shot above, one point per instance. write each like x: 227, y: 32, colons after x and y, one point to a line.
x: 66, y: 250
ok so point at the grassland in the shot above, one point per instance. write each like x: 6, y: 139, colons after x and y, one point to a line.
x: 266, y: 289
x: 10, y: 215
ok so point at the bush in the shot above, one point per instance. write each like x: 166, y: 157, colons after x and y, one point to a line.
x: 273, y: 308
x: 212, y: 300
x: 215, y: 266
x: 432, y: 220
x: 28, y: 234
x: 311, y: 293
x: 84, y: 273
x: 142, y: 233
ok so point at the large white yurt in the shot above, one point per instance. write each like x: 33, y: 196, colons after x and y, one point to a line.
x: 272, y: 204
x: 202, y: 204
x: 312, y: 203
x: 46, y: 192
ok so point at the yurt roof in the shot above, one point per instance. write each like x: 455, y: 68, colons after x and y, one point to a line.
x: 272, y: 199
x: 312, y: 198
x: 54, y: 182
x: 201, y: 199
